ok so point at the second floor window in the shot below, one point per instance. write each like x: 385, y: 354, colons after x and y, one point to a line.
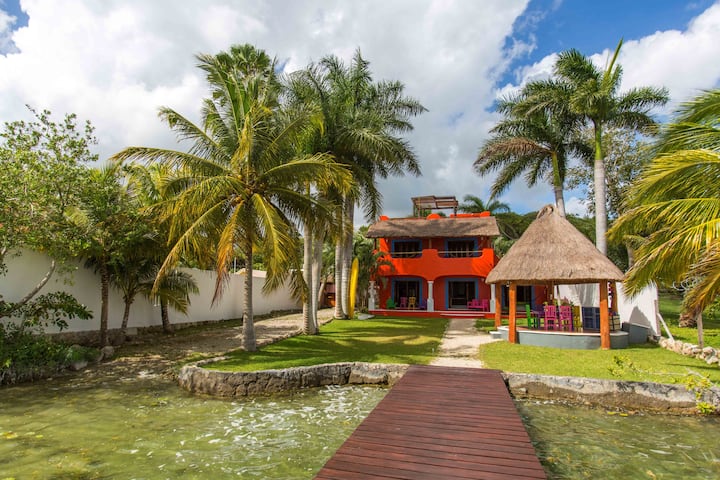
x: 406, y: 248
x: 461, y: 248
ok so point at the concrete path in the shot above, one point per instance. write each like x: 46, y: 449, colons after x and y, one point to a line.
x: 459, y: 346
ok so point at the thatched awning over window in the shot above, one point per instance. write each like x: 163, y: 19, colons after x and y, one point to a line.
x: 434, y: 228
x: 552, y: 250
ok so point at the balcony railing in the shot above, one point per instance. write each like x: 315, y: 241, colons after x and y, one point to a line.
x: 431, y: 263
x: 440, y: 253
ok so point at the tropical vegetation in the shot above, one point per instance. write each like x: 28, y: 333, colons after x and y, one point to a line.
x: 674, y: 208
x: 594, y: 95
x: 242, y: 182
x: 362, y: 121
x: 533, y: 140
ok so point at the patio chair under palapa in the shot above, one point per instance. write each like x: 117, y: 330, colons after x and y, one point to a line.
x: 552, y: 251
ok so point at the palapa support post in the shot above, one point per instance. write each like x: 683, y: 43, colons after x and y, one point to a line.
x: 498, y: 305
x: 512, y: 336
x: 604, y: 317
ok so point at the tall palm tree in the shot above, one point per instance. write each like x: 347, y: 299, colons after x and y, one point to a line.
x: 475, y: 204
x: 534, y: 138
x: 595, y: 96
x: 239, y: 185
x: 675, y: 206
x: 362, y: 121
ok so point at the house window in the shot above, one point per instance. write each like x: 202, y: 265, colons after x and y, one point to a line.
x: 461, y: 248
x: 406, y: 248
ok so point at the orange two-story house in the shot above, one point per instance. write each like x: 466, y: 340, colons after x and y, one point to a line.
x: 435, y: 263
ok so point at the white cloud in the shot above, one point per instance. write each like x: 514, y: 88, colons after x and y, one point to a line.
x: 115, y: 62
x: 6, y: 23
x: 576, y: 206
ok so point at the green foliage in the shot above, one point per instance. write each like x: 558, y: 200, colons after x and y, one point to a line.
x: 693, y: 381
x: 675, y: 207
x: 26, y: 355
x: 32, y: 208
x: 536, y: 137
x: 391, y: 340
x: 49, y: 309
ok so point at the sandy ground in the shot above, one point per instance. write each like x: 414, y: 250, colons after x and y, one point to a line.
x: 160, y: 354
x: 459, y: 346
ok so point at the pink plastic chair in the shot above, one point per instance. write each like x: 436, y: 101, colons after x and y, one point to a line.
x: 551, y: 320
x: 403, y: 302
x: 566, y: 320
x: 485, y: 305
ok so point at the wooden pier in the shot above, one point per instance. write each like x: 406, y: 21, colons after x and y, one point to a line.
x: 439, y: 423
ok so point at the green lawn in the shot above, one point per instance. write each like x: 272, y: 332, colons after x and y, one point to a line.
x: 670, y: 310
x: 390, y: 340
x: 652, y: 363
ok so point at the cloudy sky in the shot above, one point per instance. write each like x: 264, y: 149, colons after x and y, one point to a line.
x: 114, y: 62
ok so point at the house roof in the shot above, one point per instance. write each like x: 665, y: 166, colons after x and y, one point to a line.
x: 552, y: 250
x: 434, y: 227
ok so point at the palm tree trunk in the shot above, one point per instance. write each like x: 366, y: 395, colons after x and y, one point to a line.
x: 249, y: 343
x: 347, y: 255
x: 339, y: 254
x: 309, y: 326
x: 104, y: 300
x: 558, y: 186
x: 165, y: 316
x: 126, y: 317
x: 315, y: 288
x: 600, y: 195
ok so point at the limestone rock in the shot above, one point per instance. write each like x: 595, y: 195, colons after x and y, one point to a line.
x: 107, y: 353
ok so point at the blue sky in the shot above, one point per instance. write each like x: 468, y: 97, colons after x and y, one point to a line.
x: 114, y: 62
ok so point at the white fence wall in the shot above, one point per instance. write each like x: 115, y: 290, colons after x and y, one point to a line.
x: 640, y: 309
x: 25, y: 272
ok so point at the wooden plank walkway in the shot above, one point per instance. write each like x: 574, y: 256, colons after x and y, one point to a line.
x: 439, y: 423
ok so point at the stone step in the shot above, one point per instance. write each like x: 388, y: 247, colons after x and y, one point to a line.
x: 496, y: 335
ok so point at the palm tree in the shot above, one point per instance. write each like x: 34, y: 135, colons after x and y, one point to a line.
x: 110, y: 224
x: 595, y: 96
x: 239, y: 185
x: 534, y: 138
x: 474, y: 204
x: 675, y: 206
x: 362, y: 121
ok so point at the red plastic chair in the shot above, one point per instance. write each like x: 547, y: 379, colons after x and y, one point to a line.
x: 403, y: 302
x: 551, y: 319
x: 566, y: 319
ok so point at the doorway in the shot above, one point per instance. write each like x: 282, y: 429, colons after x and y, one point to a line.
x: 460, y: 292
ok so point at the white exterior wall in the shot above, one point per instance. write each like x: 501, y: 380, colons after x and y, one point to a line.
x: 25, y: 271
x: 640, y: 309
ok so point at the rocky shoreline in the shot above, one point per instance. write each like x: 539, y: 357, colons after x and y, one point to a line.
x: 638, y: 396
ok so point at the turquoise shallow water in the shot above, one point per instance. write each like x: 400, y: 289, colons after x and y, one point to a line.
x: 147, y: 428
x: 577, y: 442
x: 102, y: 427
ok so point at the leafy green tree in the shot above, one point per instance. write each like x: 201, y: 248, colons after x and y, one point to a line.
x: 535, y: 138
x: 675, y: 206
x: 362, y: 121
x: 240, y: 182
x: 42, y: 172
x: 595, y: 96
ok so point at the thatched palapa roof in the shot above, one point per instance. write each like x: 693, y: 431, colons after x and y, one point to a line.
x: 434, y: 227
x: 552, y: 250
